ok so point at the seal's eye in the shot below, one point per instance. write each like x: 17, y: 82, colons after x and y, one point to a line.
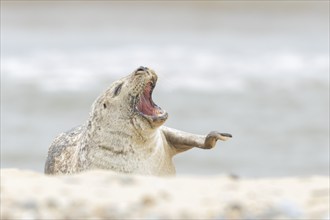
x: 117, y: 89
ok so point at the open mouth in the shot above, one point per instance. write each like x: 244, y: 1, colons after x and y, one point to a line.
x: 146, y: 107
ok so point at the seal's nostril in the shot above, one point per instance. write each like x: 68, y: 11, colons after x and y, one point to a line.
x: 141, y: 68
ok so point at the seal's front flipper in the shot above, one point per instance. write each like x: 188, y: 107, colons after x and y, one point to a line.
x: 181, y: 141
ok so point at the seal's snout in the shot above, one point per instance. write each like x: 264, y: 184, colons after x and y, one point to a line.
x: 145, y: 71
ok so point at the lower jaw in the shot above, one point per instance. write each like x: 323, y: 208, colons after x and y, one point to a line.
x: 156, y: 120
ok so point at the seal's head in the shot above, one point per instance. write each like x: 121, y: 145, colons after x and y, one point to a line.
x: 128, y: 101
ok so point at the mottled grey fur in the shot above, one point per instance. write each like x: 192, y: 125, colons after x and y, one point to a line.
x: 118, y: 137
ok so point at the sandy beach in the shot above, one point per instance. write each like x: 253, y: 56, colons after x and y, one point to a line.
x: 107, y: 195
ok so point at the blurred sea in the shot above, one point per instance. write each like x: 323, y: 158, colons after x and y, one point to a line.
x: 257, y: 70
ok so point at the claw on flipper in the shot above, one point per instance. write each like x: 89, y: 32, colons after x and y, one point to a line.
x: 225, y: 136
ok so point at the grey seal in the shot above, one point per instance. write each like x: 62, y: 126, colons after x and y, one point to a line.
x: 125, y: 133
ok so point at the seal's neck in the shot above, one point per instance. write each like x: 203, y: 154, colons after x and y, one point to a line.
x: 122, y: 138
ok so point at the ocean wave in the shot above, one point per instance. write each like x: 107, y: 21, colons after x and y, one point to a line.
x: 179, y: 68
